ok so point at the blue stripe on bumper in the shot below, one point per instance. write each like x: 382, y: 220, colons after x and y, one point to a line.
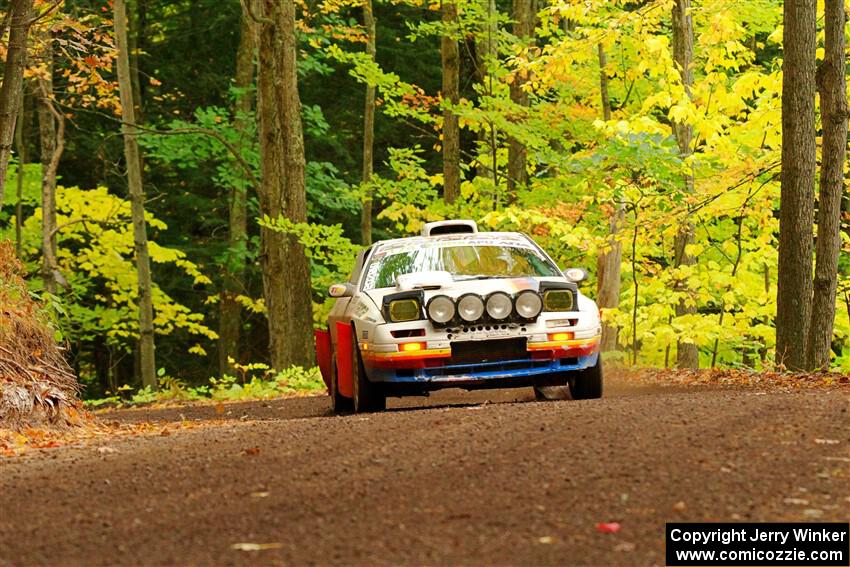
x: 482, y: 371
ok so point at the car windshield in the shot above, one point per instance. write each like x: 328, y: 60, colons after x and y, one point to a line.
x: 462, y: 260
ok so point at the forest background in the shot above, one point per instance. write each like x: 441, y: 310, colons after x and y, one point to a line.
x: 642, y: 140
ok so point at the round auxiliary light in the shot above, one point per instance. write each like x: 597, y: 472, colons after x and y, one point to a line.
x: 441, y: 309
x: 470, y: 307
x: 528, y: 304
x: 499, y: 306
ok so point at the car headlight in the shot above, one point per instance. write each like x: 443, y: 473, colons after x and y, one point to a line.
x: 528, y: 304
x: 558, y: 300
x: 499, y: 306
x: 470, y: 307
x: 401, y: 310
x: 441, y: 309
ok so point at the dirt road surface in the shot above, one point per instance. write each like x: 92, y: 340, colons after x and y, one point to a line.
x: 445, y: 480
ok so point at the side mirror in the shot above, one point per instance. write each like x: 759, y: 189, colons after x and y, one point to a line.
x: 341, y: 290
x: 576, y: 275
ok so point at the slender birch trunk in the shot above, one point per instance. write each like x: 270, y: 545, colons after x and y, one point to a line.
x: 603, y: 82
x: 22, y: 160
x: 368, y: 128
x: 147, y: 356
x: 230, y: 310
x: 51, y: 126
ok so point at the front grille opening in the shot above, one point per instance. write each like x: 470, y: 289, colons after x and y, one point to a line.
x: 407, y: 333
x: 489, y: 351
x: 475, y: 368
x: 569, y: 361
x: 404, y: 373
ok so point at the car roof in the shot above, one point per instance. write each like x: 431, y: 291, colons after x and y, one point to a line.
x: 483, y: 238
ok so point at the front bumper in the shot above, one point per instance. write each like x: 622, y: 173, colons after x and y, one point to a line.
x: 435, y: 368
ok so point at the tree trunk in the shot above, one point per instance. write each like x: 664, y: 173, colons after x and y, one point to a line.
x: 450, y: 55
x: 133, y: 40
x: 13, y: 73
x: 524, y: 18
x: 833, y: 107
x: 51, y: 126
x: 230, y: 311
x: 608, y: 277
x: 147, y: 366
x: 368, y: 129
x: 603, y: 84
x: 486, y: 51
x: 286, y: 272
x: 608, y: 263
x: 21, y: 147
x: 687, y: 354
x: 794, y: 283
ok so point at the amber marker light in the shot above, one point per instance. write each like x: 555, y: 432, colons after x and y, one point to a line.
x: 411, y: 347
x: 560, y: 336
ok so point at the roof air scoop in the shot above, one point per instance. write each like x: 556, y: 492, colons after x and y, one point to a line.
x: 450, y: 227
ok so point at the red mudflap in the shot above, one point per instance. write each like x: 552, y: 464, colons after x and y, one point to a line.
x: 344, y: 359
x: 323, y: 354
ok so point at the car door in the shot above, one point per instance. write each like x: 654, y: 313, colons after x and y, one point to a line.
x: 339, y: 311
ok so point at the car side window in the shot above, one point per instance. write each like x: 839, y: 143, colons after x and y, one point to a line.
x: 358, y: 265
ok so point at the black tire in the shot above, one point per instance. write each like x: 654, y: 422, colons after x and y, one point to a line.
x: 367, y: 396
x: 551, y: 393
x: 339, y: 403
x: 587, y: 384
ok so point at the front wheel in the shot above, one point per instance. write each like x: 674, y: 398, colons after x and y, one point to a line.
x: 367, y: 396
x: 587, y: 384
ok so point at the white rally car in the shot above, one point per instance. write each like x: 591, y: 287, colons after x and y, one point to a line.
x: 458, y: 308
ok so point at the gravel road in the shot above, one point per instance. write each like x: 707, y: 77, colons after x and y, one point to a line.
x: 475, y: 479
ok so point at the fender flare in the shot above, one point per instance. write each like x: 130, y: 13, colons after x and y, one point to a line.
x: 345, y: 359
x: 323, y: 354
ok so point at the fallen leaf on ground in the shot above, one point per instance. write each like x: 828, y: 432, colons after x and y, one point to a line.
x: 679, y: 506
x: 546, y: 539
x: 608, y: 527
x: 260, y: 494
x: 255, y: 546
x: 251, y: 451
x: 799, y: 501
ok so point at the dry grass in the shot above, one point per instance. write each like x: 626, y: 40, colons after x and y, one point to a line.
x: 37, y: 386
